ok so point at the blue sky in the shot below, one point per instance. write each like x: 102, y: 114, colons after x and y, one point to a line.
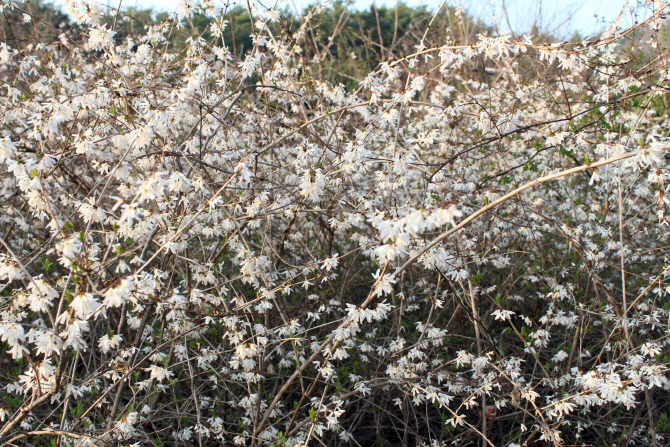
x: 586, y: 16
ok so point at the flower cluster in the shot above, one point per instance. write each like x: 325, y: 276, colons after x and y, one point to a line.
x: 201, y: 245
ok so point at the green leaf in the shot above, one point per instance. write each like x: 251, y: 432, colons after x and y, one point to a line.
x: 478, y: 277
x: 47, y: 265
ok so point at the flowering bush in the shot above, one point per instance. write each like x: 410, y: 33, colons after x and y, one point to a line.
x: 465, y: 248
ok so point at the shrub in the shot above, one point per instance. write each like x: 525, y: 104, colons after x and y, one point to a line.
x: 204, y: 244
